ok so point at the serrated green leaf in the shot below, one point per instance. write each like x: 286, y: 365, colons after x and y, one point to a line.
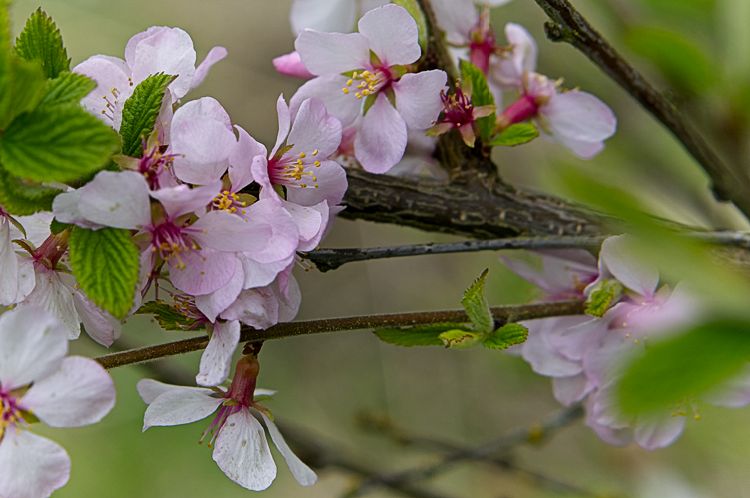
x: 413, y: 8
x: 681, y: 368
x: 419, y: 335
x: 476, y: 306
x: 105, y: 263
x: 56, y: 227
x: 41, y: 40
x: 475, y: 82
x: 24, y: 198
x: 22, y: 89
x: 169, y: 317
x: 61, y: 143
x: 602, y: 297
x: 506, y: 336
x: 68, y: 88
x: 517, y: 134
x: 459, y: 339
x: 140, y: 112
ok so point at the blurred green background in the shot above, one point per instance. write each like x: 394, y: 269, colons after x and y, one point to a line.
x: 698, y: 49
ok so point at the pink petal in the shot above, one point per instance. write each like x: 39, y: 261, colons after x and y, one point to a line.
x: 257, y: 308
x: 99, y: 325
x: 509, y: 71
x: 182, y: 199
x: 14, y: 281
x: 242, y: 452
x: 311, y: 223
x: 281, y: 235
x: 344, y: 107
x: 149, y: 389
x: 289, y: 299
x: 54, y: 295
x: 569, y: 390
x: 314, y: 130
x: 301, y: 472
x: 202, y: 138
x: 241, y: 159
x: 163, y: 50
x: 327, y: 53
x: 262, y: 274
x: 418, y: 97
x: 329, y: 16
x: 332, y: 185
x: 291, y: 65
x: 217, y: 357
x: 80, y: 393
x: 214, y: 55
x: 285, y: 122
x: 33, y: 466
x: 228, y: 232
x: 180, y: 406
x: 392, y: 34
x: 113, y: 87
x: 211, y: 305
x: 541, y: 353
x: 204, y: 271
x: 619, y: 259
x: 579, y: 116
x: 33, y: 344
x: 658, y: 432
x: 116, y: 199
x: 457, y: 18
x: 260, y: 175
x: 381, y: 140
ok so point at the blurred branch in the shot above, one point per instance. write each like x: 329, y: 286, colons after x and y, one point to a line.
x: 501, y: 314
x: 730, y: 182
x: 501, y: 461
x: 331, y: 259
x: 533, y: 434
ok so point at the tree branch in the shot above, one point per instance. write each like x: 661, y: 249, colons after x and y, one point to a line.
x: 730, y: 183
x: 501, y: 314
x: 532, y: 434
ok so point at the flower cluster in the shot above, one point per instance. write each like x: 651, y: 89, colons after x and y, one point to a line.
x: 585, y: 355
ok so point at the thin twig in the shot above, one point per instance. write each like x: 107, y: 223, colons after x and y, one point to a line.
x: 501, y: 314
x: 533, y: 434
x: 331, y: 259
x: 568, y: 25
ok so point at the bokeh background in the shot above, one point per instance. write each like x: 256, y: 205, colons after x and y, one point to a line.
x: 697, y: 49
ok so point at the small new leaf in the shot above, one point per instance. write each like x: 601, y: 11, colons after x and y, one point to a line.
x: 169, y: 317
x: 57, y: 144
x: 517, y: 134
x: 475, y: 304
x: 140, y: 112
x: 68, y: 88
x: 419, y: 335
x: 476, y: 84
x: 413, y: 8
x: 105, y: 262
x: 24, y: 198
x: 41, y: 40
x: 506, y: 336
x: 603, y: 296
x: 460, y: 339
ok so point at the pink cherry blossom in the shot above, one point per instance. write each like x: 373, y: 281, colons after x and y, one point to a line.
x: 157, y: 50
x: 64, y: 392
x: 379, y: 88
x: 459, y: 113
x: 239, y: 440
x: 291, y: 65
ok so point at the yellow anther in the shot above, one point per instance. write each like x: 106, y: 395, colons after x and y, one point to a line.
x: 302, y: 155
x: 315, y: 152
x: 349, y: 82
x: 317, y: 164
x: 345, y: 90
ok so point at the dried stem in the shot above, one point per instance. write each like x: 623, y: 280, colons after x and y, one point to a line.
x: 501, y: 314
x: 730, y: 182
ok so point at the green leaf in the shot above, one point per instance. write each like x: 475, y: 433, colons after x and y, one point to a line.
x: 419, y: 335
x: 24, y: 198
x: 412, y: 6
x: 105, y: 263
x: 68, y: 88
x: 506, y: 336
x: 459, y: 338
x: 685, y: 64
x: 476, y: 83
x: 21, y: 89
x: 140, y: 112
x: 61, y: 143
x: 679, y: 369
x: 41, y: 40
x: 602, y: 297
x: 169, y: 317
x: 56, y: 227
x: 517, y: 134
x: 475, y: 304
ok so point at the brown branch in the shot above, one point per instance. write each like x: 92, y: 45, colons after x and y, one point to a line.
x: 501, y: 314
x: 568, y: 25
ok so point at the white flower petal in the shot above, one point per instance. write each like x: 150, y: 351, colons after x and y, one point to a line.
x: 32, y: 466
x: 381, y: 140
x: 99, y: 325
x: 344, y: 107
x: 217, y: 358
x: 80, y: 393
x: 392, y: 34
x: 330, y: 16
x: 180, y: 406
x: 332, y: 53
x: 242, y: 452
x: 418, y: 97
x: 116, y: 199
x: 301, y: 472
x: 53, y: 295
x: 150, y: 389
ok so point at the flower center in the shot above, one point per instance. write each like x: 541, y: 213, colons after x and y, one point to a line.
x: 10, y: 412
x: 229, y: 202
x: 295, y: 171
x: 111, y: 102
x: 153, y: 163
x: 457, y: 108
x: 368, y: 82
x: 171, y: 241
x: 482, y: 42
